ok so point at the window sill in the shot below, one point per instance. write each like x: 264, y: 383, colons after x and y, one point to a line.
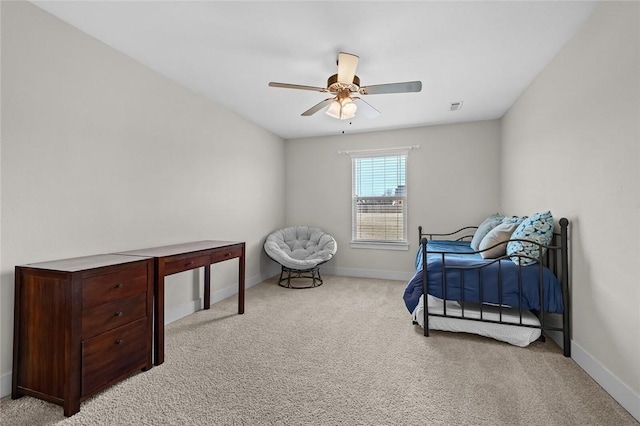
x: 373, y: 245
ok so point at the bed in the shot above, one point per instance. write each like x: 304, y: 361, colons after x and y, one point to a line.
x: 510, y: 288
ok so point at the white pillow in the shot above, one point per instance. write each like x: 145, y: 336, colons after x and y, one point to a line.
x: 499, y: 234
x: 483, y: 229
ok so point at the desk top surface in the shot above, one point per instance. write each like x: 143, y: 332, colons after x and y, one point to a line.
x: 183, y: 248
x: 84, y: 263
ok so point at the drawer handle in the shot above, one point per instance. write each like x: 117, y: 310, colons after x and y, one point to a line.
x: 119, y: 342
x: 190, y: 263
x: 119, y: 285
x: 118, y: 314
x: 228, y: 254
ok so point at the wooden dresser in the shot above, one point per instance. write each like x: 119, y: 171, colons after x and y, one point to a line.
x: 80, y: 325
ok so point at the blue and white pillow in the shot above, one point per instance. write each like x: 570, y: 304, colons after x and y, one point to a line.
x: 514, y: 219
x: 537, y: 228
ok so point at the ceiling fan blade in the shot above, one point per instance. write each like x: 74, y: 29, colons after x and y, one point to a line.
x: 405, y: 87
x: 365, y: 108
x: 347, y: 64
x: 317, y: 107
x: 297, y: 86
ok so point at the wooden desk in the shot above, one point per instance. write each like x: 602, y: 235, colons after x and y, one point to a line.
x: 176, y: 258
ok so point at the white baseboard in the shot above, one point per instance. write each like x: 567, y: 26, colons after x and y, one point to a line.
x: 367, y: 273
x: 5, y: 385
x: 174, y: 313
x: 605, y: 378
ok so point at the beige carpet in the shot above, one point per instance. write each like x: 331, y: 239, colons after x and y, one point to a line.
x: 344, y: 353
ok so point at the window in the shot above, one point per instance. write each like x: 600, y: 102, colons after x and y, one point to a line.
x: 379, y: 201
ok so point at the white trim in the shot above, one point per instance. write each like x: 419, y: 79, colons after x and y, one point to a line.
x: 379, y: 151
x: 556, y: 336
x: 5, y: 385
x: 175, y: 313
x: 367, y: 273
x: 618, y: 390
x: 378, y: 245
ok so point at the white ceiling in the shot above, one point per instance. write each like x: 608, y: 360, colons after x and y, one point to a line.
x: 482, y: 53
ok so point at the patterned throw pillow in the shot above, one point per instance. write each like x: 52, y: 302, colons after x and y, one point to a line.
x: 537, y: 228
x: 514, y: 219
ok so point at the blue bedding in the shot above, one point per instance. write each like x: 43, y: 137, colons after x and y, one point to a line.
x: 485, y: 273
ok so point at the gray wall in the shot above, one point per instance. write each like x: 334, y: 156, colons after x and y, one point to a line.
x: 442, y: 189
x: 100, y: 154
x: 579, y: 124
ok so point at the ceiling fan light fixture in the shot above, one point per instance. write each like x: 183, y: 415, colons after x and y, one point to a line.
x: 342, y: 109
x: 334, y: 110
x: 349, y: 108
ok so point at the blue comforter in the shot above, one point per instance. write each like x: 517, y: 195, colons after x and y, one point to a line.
x: 487, y: 281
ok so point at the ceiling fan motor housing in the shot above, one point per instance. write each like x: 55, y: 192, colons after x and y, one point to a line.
x: 334, y: 86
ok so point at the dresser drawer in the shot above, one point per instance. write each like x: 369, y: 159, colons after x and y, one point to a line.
x: 230, y: 253
x: 185, y: 263
x: 114, y: 314
x: 115, y: 354
x: 105, y: 288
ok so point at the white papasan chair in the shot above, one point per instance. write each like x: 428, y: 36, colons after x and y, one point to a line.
x: 300, y: 250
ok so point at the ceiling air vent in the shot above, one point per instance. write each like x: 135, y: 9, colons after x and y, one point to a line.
x: 454, y: 106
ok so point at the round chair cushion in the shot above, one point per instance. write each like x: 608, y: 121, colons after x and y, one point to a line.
x: 300, y: 247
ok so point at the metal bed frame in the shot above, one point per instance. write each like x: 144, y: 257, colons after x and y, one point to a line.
x: 556, y: 258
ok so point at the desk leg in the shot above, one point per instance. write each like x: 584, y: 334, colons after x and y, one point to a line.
x: 241, y: 283
x: 207, y: 286
x: 158, y: 317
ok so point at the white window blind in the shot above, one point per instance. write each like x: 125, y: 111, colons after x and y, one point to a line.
x: 379, y: 202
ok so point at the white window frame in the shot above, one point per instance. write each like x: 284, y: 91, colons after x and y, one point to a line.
x: 399, y: 244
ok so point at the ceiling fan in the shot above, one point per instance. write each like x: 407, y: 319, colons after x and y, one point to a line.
x: 342, y: 85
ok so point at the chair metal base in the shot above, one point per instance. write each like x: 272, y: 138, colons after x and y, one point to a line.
x: 312, y: 274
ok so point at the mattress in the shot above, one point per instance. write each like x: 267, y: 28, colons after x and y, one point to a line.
x: 513, y: 334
